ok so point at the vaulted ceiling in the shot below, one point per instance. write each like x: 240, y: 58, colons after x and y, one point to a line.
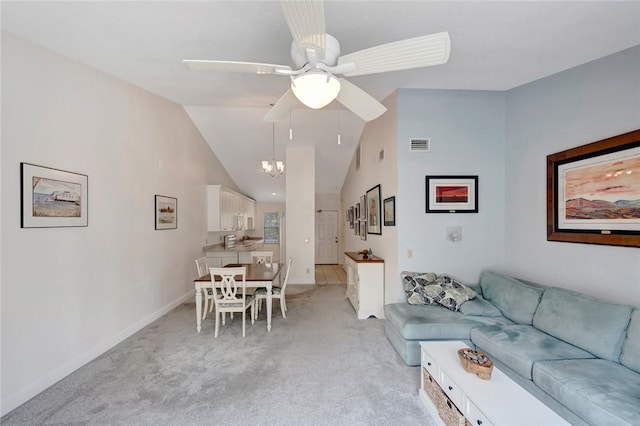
x: 494, y: 46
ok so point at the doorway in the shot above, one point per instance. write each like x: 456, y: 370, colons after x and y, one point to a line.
x: 326, y: 237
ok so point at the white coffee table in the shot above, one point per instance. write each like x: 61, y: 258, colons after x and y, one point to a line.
x: 495, y: 402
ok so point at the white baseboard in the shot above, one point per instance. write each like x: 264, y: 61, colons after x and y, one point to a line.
x: 19, y: 398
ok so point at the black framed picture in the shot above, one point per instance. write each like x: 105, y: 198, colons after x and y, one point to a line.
x: 389, y: 209
x: 374, y: 218
x: 451, y: 194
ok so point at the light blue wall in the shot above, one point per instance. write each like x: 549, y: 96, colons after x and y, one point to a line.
x: 584, y: 104
x: 467, y: 132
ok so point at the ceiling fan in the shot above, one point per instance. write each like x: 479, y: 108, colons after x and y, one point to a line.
x: 317, y: 60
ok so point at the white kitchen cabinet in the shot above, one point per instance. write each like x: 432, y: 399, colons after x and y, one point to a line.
x: 227, y: 210
x: 365, y: 284
x: 218, y: 259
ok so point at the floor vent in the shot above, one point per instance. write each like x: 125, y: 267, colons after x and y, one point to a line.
x: 420, y: 145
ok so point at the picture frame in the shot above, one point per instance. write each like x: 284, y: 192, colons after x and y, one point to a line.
x: 363, y: 210
x: 593, y: 192
x: 52, y: 198
x: 166, y: 212
x: 357, y: 211
x: 374, y: 218
x: 389, y: 209
x: 351, y: 220
x: 363, y: 230
x: 451, y: 194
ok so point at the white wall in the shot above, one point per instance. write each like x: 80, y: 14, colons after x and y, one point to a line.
x: 377, y: 135
x: 300, y: 202
x: 69, y: 294
x: 466, y: 129
x: 582, y: 105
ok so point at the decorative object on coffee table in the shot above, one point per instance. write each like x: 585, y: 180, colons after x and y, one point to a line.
x: 476, y: 362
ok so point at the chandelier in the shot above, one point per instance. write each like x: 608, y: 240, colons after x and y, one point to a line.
x: 272, y: 167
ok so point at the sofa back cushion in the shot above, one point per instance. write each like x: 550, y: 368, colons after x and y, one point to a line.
x: 516, y: 300
x: 592, y: 324
x: 630, y: 356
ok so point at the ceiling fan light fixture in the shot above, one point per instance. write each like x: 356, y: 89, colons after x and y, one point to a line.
x: 315, y: 89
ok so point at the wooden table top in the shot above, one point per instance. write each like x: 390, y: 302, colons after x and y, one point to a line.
x: 255, y: 272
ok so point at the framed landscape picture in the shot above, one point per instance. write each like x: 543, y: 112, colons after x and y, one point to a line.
x: 52, y: 198
x: 593, y: 192
x: 451, y: 194
x: 374, y: 218
x: 166, y: 212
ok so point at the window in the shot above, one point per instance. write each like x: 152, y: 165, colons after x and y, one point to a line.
x: 271, y: 228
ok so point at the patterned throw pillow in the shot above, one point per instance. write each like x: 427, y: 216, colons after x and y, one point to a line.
x: 455, y: 295
x: 429, y: 288
x: 415, y: 286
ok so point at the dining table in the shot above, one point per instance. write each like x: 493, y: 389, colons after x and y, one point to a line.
x: 257, y: 276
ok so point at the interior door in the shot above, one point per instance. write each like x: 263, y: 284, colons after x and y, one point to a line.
x: 327, y: 237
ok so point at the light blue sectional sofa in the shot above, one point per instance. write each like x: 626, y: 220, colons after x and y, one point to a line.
x: 577, y: 354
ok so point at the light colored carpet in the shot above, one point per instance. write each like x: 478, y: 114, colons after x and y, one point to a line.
x: 319, y: 366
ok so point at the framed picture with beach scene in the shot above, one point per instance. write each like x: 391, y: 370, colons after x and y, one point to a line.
x: 166, y: 212
x: 593, y: 192
x: 52, y: 198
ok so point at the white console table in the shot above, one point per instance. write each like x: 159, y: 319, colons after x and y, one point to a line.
x: 496, y: 402
x: 365, y: 284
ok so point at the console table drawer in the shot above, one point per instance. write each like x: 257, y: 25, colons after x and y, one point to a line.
x: 451, y: 389
x: 475, y: 416
x: 430, y: 365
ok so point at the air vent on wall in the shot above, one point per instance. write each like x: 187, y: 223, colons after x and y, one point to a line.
x: 420, y: 145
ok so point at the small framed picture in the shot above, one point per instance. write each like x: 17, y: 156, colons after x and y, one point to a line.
x: 52, y: 198
x: 363, y: 230
x: 363, y: 210
x: 389, y: 209
x: 166, y: 212
x: 451, y: 194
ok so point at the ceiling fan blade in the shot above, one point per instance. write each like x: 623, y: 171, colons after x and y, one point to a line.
x: 306, y: 23
x: 359, y: 102
x: 232, y: 66
x: 281, y: 110
x: 417, y: 52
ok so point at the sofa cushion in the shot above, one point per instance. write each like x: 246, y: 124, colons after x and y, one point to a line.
x: 420, y: 322
x: 516, y: 300
x: 603, y: 393
x: 520, y: 346
x: 592, y: 324
x: 630, y: 356
x: 479, y: 306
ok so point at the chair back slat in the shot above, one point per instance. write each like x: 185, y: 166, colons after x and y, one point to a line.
x: 203, y: 268
x: 286, y: 276
x: 231, y: 288
x: 261, y: 257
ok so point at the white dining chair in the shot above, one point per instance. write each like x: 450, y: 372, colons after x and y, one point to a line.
x: 261, y: 257
x: 230, y: 294
x: 207, y: 293
x: 277, y: 293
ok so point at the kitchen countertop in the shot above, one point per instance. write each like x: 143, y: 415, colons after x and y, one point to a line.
x: 249, y: 244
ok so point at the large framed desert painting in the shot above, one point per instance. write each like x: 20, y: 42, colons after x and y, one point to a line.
x: 593, y: 192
